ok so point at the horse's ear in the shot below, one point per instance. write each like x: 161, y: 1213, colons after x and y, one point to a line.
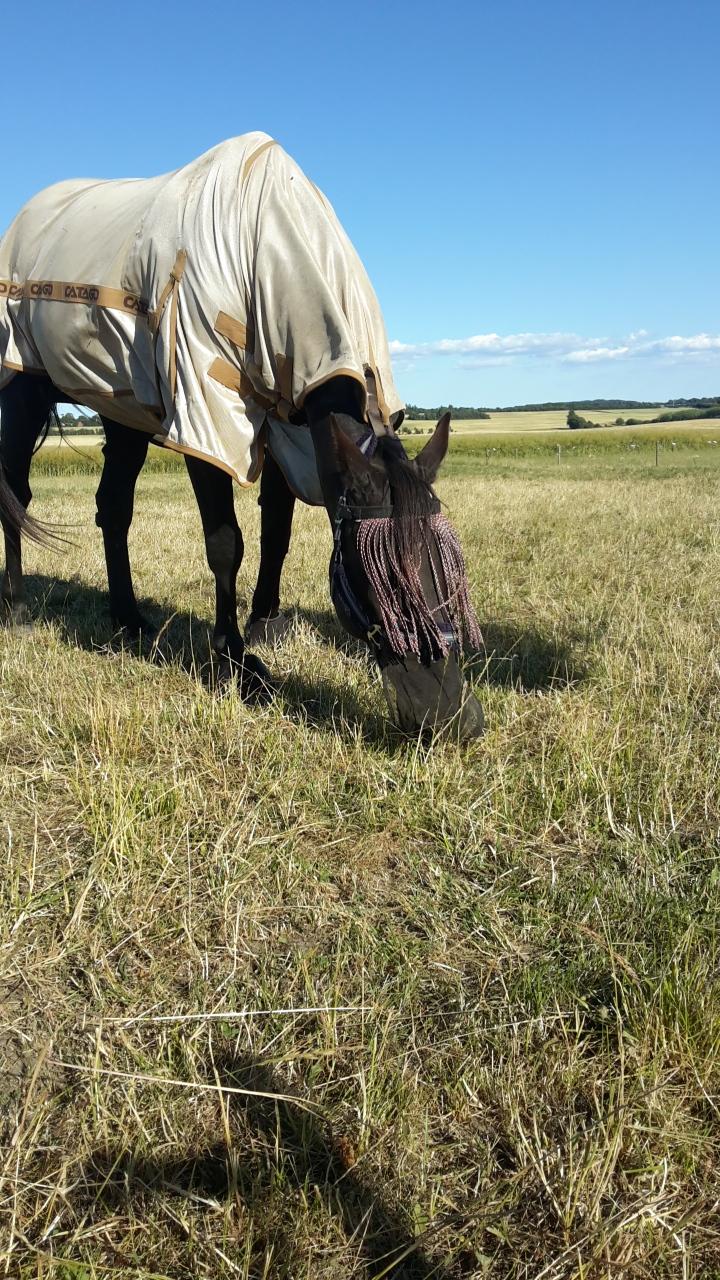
x: 350, y: 461
x: 430, y: 458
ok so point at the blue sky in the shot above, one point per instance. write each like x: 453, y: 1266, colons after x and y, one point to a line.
x: 533, y: 187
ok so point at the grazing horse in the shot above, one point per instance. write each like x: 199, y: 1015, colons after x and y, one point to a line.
x: 221, y: 311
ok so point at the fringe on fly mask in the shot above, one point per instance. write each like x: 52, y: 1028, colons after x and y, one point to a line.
x: 391, y: 549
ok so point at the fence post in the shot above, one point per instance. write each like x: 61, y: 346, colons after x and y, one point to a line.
x: 657, y: 450
x: 558, y: 449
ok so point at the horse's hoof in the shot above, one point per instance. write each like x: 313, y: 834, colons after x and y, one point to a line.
x: 135, y: 630
x: 268, y: 630
x: 255, y: 684
x: 17, y: 618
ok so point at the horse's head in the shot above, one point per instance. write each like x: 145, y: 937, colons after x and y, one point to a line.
x: 397, y: 577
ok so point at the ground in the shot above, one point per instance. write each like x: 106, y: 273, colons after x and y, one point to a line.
x: 286, y: 996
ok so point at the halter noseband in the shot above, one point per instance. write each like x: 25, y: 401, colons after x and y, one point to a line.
x: 340, y: 587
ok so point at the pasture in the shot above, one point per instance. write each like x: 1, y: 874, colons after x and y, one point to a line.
x: 522, y: 423
x: 287, y: 996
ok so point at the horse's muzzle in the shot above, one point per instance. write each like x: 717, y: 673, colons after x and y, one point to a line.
x: 432, y: 698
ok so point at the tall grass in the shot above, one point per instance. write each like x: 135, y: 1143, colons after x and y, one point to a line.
x: 287, y: 996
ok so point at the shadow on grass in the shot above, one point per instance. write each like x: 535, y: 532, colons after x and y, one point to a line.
x: 514, y: 657
x: 81, y: 613
x: 525, y: 659
x: 281, y: 1157
x: 325, y: 623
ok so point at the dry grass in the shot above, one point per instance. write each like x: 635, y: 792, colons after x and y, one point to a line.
x: 509, y: 423
x: 479, y: 988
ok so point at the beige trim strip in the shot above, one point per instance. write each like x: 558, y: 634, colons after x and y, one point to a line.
x: 283, y: 409
x: 374, y: 410
x: 100, y: 393
x: 179, y: 266
x: 21, y: 368
x: 71, y: 291
x: 231, y: 328
x: 226, y: 374
x: 383, y: 405
x: 174, y: 447
x: 237, y: 380
x: 182, y: 448
x: 255, y: 156
x: 174, y: 278
x: 195, y: 453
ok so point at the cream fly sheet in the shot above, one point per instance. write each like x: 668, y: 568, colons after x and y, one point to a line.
x: 201, y: 306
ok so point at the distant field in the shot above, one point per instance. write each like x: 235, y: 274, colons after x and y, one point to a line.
x: 553, y: 420
x: 73, y: 441
x: 549, y: 425
x: 572, y: 454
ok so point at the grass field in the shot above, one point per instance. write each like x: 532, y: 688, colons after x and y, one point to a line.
x: 553, y: 420
x: 515, y: 424
x: 286, y: 996
x: 680, y: 447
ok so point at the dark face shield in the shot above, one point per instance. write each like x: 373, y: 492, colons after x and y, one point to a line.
x: 432, y: 697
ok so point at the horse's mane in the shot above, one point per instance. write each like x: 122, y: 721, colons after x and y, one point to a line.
x: 412, y: 497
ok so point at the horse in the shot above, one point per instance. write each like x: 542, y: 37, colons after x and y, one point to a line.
x: 301, y: 385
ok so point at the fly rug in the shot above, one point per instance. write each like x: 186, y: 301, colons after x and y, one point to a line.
x: 221, y: 311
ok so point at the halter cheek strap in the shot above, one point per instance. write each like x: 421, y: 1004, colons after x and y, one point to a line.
x: 341, y: 590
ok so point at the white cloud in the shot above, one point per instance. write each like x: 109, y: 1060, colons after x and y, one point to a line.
x: 493, y: 344
x: 483, y: 349
x: 587, y: 354
x: 697, y: 345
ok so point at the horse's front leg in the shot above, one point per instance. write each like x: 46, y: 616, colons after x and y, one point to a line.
x: 277, y: 504
x: 224, y: 549
x: 125, y: 452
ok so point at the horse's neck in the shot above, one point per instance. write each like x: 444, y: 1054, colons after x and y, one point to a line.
x: 338, y: 395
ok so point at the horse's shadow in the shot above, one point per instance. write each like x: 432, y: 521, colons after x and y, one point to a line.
x: 183, y: 640
x: 525, y: 659
x: 513, y: 657
x: 273, y: 1142
x: 80, y: 612
x: 521, y: 658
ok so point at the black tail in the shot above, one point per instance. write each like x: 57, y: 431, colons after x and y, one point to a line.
x: 13, y: 513
x: 53, y: 414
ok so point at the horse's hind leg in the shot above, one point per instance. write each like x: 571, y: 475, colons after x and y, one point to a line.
x: 125, y: 452
x: 25, y: 404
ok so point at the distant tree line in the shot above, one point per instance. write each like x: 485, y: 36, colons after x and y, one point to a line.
x: 695, y: 402
x: 684, y: 415
x: 456, y: 410
x: 577, y: 423
x: 461, y: 411
x: 76, y: 423
x: 585, y: 404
